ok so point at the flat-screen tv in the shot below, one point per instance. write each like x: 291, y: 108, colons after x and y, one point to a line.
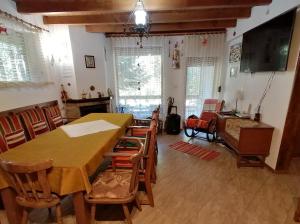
x: 266, y: 47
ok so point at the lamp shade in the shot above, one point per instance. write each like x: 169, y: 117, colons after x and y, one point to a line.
x: 140, y: 14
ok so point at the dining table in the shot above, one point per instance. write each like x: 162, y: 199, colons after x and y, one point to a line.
x: 75, y: 159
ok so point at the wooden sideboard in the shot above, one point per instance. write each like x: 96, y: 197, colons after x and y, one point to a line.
x: 251, y: 143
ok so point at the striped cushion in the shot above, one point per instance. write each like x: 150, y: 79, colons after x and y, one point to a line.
x: 40, y: 127
x: 15, y: 139
x: 12, y: 131
x: 35, y: 121
x: 54, y: 117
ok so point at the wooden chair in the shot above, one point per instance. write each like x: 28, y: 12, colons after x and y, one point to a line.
x: 32, y: 186
x: 53, y: 116
x: 117, y: 186
x: 147, y: 174
x: 12, y: 133
x: 140, y: 127
x: 35, y: 121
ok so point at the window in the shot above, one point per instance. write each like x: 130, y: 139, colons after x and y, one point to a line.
x: 13, y: 61
x: 21, y: 59
x: 200, y: 83
x: 138, y: 76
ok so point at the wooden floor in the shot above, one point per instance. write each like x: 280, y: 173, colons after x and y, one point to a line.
x: 191, y: 191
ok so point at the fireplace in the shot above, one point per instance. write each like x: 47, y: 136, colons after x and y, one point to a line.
x: 98, y: 108
x: 76, y: 108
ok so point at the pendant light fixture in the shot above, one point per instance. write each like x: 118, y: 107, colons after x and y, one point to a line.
x: 141, y: 24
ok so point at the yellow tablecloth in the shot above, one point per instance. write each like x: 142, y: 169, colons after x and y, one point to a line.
x: 74, y: 159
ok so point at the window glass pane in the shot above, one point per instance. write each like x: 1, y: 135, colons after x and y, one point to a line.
x: 199, y: 86
x: 13, y: 60
x: 139, y: 83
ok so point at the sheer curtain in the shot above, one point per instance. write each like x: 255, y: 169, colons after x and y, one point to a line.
x: 22, y: 60
x: 204, y: 60
x: 138, y: 74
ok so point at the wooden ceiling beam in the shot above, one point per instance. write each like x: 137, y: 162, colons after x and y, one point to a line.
x: 155, y: 17
x: 49, y: 6
x: 167, y: 27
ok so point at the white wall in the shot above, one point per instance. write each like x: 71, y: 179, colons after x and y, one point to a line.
x: 84, y: 43
x: 17, y: 97
x: 275, y: 105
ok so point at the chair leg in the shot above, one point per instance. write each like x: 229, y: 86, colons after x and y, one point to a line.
x: 149, y: 192
x: 153, y: 174
x: 138, y: 204
x: 24, y: 216
x: 58, y: 214
x: 93, y: 213
x: 127, y: 214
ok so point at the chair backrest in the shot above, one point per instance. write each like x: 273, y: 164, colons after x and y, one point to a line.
x: 151, y: 149
x: 213, y: 105
x: 210, y: 108
x: 53, y: 116
x: 11, y: 131
x: 134, y: 181
x: 29, y: 180
x: 35, y: 121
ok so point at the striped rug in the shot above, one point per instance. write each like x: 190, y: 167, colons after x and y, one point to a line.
x: 195, y: 150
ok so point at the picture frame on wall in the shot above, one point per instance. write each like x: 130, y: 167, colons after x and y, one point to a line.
x: 89, y: 61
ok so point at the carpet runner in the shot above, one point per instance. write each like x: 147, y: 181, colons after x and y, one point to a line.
x: 194, y: 150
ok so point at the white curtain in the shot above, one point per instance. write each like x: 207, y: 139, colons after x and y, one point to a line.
x: 204, y: 64
x: 22, y: 59
x: 138, y: 74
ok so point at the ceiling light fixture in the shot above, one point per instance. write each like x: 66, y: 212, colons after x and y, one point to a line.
x: 141, y: 22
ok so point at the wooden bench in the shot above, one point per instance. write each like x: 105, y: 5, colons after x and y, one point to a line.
x: 249, y: 139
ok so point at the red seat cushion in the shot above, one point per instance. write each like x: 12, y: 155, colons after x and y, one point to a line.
x: 192, y: 122
x: 123, y: 161
x: 202, y: 124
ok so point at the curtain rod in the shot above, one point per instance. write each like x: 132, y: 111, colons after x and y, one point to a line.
x: 166, y: 34
x: 22, y: 21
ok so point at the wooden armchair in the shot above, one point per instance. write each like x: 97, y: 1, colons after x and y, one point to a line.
x: 32, y: 186
x: 206, y: 123
x: 117, y: 186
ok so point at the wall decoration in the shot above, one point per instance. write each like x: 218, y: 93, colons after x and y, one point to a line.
x: 176, y: 57
x: 235, y: 53
x: 89, y: 61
